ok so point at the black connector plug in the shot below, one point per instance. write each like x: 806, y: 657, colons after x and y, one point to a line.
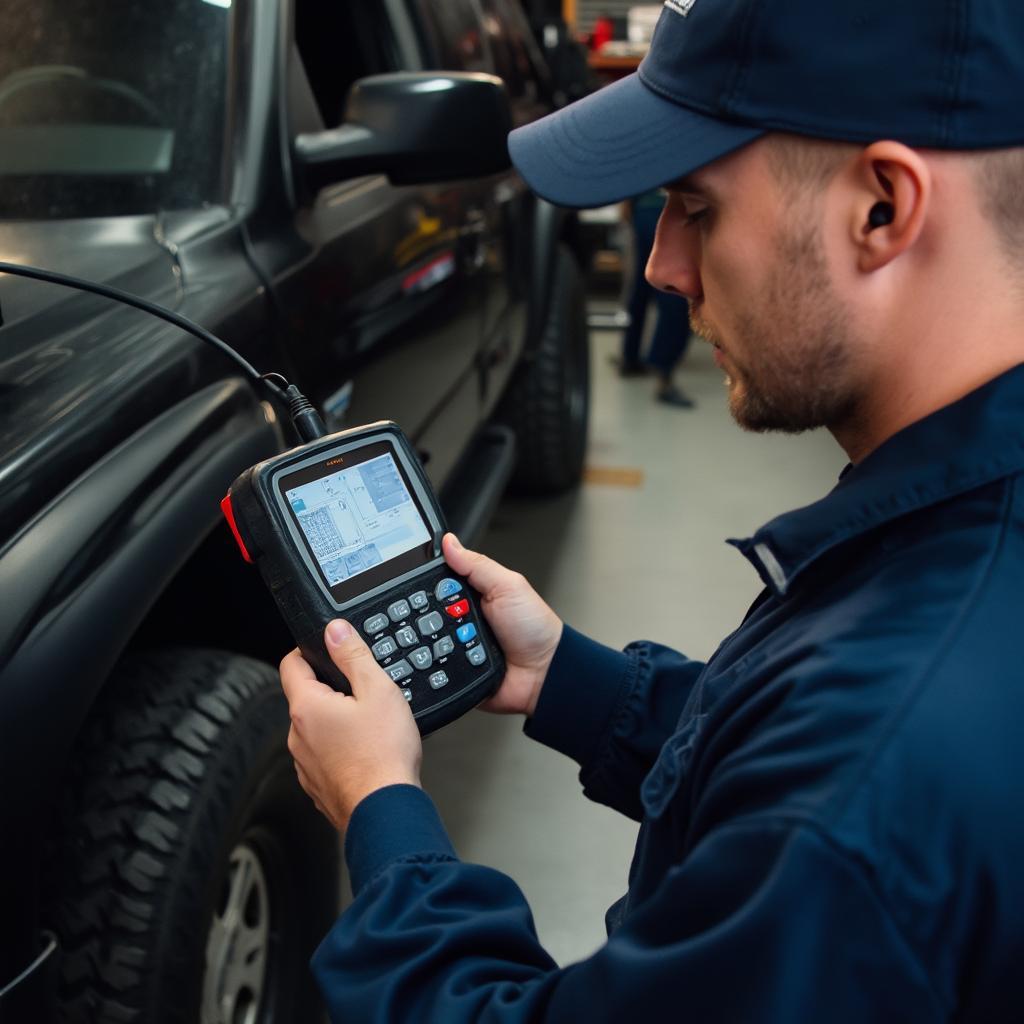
x: 306, y: 420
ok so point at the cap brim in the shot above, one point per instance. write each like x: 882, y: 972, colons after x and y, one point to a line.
x: 618, y: 142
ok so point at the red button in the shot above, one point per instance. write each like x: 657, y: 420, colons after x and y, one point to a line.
x: 457, y: 610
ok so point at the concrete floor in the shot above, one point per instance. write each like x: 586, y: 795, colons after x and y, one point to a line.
x: 619, y: 561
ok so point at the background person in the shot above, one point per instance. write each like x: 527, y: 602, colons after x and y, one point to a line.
x: 832, y: 806
x: 671, y: 336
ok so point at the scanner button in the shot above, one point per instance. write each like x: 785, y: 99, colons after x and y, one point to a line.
x: 399, y: 670
x: 477, y: 655
x: 444, y: 646
x: 384, y: 648
x: 418, y: 600
x: 375, y: 623
x: 407, y: 636
x: 446, y: 588
x: 457, y: 610
x: 437, y: 680
x: 428, y: 624
x: 398, y: 611
x: 421, y: 657
x: 407, y: 694
x: 466, y: 633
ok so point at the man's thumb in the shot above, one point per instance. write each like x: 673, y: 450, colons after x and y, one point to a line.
x: 483, y: 573
x: 349, y: 652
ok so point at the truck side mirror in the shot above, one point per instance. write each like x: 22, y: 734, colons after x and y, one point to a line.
x: 415, y: 127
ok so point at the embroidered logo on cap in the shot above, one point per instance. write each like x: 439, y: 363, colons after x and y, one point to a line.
x: 680, y: 6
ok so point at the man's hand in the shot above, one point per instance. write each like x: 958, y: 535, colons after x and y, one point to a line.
x: 524, y: 625
x: 345, y: 747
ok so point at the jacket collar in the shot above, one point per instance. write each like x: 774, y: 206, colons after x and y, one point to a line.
x: 972, y: 442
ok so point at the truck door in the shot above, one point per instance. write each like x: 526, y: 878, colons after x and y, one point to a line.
x: 458, y: 36
x: 382, y: 312
x: 518, y: 62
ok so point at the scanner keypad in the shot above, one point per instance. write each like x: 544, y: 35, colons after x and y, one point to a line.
x: 420, y: 633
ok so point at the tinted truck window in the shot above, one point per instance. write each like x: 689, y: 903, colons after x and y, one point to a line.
x: 340, y: 43
x: 110, y: 108
x: 455, y: 34
x: 512, y: 46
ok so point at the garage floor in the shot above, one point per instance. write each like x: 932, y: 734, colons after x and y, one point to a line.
x: 638, y: 552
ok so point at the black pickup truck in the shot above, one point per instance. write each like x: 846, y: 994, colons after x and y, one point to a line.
x: 304, y: 180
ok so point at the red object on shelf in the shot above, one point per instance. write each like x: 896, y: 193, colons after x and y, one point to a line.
x: 604, y: 32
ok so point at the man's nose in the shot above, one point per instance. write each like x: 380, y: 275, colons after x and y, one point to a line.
x: 673, y: 263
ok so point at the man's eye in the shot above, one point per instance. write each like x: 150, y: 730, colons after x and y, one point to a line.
x: 697, y: 215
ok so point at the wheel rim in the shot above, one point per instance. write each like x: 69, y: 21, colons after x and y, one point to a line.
x: 238, y: 943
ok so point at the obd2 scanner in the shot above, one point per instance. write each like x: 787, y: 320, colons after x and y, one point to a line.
x: 348, y: 526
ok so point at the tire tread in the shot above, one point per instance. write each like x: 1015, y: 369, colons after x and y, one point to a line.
x: 136, y: 770
x: 551, y: 446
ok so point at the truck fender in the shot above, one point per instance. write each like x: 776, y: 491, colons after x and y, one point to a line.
x: 88, y: 568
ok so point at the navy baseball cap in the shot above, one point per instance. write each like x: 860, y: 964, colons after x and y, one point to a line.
x: 720, y: 73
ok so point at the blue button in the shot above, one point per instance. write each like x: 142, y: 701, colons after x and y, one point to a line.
x: 466, y: 633
x: 446, y: 588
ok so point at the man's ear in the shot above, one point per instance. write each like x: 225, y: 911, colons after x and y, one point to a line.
x: 891, y: 190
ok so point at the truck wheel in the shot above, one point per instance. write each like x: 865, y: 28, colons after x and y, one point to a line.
x: 193, y: 878
x: 548, y: 401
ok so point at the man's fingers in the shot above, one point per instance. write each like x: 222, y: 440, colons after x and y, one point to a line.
x: 483, y: 573
x: 349, y: 652
x: 298, y: 678
x: 309, y: 790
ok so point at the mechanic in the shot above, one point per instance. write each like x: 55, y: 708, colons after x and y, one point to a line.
x: 832, y: 806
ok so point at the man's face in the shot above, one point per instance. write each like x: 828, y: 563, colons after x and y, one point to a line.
x: 752, y: 261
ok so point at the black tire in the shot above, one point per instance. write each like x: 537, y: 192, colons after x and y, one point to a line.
x: 548, y: 401
x: 182, y: 798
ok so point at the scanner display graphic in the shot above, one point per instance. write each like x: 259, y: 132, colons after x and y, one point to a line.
x: 358, y: 518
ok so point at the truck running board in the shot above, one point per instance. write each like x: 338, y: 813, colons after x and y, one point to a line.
x: 471, y: 495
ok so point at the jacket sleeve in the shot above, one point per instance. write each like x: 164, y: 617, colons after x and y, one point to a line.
x: 611, y: 711
x: 764, y: 921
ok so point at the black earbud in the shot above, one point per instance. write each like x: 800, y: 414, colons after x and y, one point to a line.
x: 880, y: 215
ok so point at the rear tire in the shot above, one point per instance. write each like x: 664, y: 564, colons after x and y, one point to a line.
x: 548, y: 401
x: 193, y: 878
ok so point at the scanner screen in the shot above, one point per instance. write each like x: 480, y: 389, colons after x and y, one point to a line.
x: 358, y: 518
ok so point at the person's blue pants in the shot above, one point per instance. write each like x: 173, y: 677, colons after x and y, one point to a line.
x: 672, y: 329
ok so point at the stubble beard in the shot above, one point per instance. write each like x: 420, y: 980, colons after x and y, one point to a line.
x: 790, y: 367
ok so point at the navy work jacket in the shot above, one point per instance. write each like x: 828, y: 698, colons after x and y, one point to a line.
x: 832, y: 806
